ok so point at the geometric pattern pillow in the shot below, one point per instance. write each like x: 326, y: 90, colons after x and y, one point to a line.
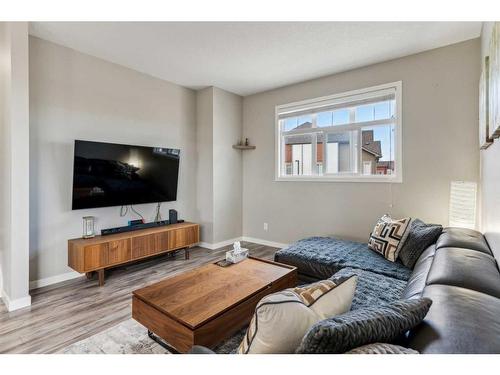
x: 374, y: 324
x: 281, y: 319
x: 326, y: 302
x: 389, y: 236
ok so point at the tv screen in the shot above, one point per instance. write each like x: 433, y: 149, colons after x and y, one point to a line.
x: 108, y: 174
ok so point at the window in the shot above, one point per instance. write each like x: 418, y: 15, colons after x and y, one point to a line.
x: 354, y: 136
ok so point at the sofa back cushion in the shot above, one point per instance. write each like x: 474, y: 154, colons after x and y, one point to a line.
x: 463, y: 238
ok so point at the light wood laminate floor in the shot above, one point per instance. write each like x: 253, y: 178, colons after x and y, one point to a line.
x: 68, y: 312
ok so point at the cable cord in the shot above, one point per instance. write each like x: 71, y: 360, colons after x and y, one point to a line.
x: 158, y: 213
x: 123, y: 211
x: 137, y: 213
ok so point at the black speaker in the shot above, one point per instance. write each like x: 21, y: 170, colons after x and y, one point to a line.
x: 172, y: 216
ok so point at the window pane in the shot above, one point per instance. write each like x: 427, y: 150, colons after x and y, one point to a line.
x: 301, y: 122
x: 365, y: 113
x: 393, y: 108
x: 305, y: 122
x: 382, y: 110
x: 341, y: 117
x: 378, y: 150
x: 340, y: 152
x: 376, y: 111
x: 329, y: 118
x: 324, y: 119
x: 298, y: 155
x: 340, y: 136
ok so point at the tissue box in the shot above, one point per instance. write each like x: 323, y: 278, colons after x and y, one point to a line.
x: 235, y: 257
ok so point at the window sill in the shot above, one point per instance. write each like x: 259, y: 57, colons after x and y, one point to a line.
x: 378, y: 179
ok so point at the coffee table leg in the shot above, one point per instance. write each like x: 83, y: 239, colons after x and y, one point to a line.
x: 162, y: 343
x: 186, y: 253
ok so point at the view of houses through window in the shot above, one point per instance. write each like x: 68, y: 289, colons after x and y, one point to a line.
x: 355, y: 137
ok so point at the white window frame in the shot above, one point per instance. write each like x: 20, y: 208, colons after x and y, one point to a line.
x: 396, y: 177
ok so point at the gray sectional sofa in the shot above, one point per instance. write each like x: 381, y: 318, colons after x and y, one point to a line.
x: 458, y: 273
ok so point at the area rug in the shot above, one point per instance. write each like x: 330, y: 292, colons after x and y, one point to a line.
x: 130, y: 337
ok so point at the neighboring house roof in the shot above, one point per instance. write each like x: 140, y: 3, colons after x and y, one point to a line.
x: 369, y: 145
x: 305, y: 125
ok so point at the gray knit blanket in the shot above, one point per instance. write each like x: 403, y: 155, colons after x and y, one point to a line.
x: 321, y: 257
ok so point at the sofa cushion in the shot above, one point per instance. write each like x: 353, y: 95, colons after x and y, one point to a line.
x: 389, y: 236
x: 281, y: 319
x: 372, y: 324
x: 467, y: 269
x: 459, y: 321
x: 373, y: 289
x: 417, y: 282
x: 420, y: 237
x: 463, y: 238
x: 321, y: 257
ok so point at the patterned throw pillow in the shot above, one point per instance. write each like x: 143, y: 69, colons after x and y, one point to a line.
x: 383, y: 323
x: 388, y: 236
x: 281, y: 319
x: 420, y: 237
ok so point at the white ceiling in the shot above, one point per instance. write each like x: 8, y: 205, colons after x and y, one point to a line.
x: 251, y: 57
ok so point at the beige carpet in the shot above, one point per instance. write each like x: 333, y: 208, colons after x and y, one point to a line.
x: 130, y: 337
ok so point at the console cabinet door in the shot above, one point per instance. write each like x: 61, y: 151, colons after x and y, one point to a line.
x: 95, y: 256
x: 183, y: 237
x: 161, y: 242
x: 119, y: 251
x: 143, y: 246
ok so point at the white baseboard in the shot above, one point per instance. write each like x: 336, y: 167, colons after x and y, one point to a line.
x: 217, y: 245
x: 264, y: 242
x: 259, y: 241
x: 15, y: 304
x: 54, y: 279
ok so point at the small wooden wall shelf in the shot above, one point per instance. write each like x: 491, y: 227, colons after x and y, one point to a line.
x: 243, y: 147
x: 101, y: 252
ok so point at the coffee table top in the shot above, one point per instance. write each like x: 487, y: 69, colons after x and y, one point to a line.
x: 194, y: 297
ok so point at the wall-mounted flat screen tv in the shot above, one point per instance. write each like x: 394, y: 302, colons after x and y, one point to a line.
x: 108, y: 174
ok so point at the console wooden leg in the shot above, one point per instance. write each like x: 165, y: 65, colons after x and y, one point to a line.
x: 186, y: 253
x: 101, y: 277
x: 89, y: 275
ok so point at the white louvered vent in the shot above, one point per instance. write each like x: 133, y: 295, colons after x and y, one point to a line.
x: 463, y: 204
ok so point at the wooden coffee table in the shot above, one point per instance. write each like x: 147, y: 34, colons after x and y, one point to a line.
x: 209, y: 304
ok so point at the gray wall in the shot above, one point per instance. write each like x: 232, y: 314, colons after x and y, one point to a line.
x: 440, y: 111
x: 14, y: 164
x: 204, y: 144
x: 4, y: 157
x: 219, y: 124
x: 227, y: 170
x: 76, y: 96
x: 490, y: 172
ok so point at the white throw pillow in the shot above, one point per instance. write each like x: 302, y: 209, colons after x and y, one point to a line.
x: 282, y: 319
